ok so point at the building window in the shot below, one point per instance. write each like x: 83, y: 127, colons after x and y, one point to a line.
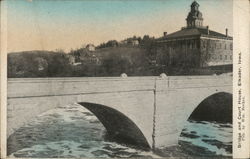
x: 230, y: 57
x: 220, y: 46
x: 225, y: 57
x: 231, y: 46
x: 225, y: 46
x: 193, y: 44
x: 220, y: 57
x: 197, y: 44
x: 183, y: 45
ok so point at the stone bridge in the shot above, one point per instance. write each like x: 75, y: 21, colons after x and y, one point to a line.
x: 148, y: 111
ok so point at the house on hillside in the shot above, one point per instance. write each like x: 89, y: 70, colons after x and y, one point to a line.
x: 195, y: 45
x: 123, y: 43
x: 133, y: 42
x: 84, y: 56
x: 130, y: 42
x: 90, y: 47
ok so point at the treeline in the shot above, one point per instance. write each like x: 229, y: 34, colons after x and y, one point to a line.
x: 112, y: 62
x: 38, y: 64
x: 142, y: 42
x: 109, y: 59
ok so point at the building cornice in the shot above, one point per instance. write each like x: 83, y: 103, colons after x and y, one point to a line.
x: 215, y: 37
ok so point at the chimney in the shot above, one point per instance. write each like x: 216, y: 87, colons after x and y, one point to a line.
x: 207, y: 30
x: 226, y: 32
x: 165, y: 33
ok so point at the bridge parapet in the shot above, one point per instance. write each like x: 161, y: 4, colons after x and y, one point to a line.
x: 71, y: 86
x: 182, y: 82
x: 38, y: 87
x: 154, y: 103
x: 90, y: 85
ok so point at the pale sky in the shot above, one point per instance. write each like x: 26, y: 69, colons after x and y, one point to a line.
x: 66, y: 24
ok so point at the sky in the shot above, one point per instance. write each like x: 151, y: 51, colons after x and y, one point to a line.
x: 70, y: 24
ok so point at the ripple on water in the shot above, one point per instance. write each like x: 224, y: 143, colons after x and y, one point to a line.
x: 73, y: 131
x: 215, y: 137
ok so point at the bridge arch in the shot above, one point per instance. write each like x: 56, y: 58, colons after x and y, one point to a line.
x: 210, y: 109
x: 216, y: 107
x: 119, y: 126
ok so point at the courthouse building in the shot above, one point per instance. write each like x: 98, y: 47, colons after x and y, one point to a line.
x: 195, y: 45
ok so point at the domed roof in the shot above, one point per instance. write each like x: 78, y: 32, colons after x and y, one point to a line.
x: 194, y: 17
x: 195, y: 4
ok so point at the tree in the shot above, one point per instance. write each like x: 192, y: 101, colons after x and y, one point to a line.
x: 149, y: 44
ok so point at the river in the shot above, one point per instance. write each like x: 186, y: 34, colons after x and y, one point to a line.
x: 73, y: 131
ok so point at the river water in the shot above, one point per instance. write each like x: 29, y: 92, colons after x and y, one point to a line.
x: 73, y: 131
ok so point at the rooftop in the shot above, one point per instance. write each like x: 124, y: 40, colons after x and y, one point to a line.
x: 195, y: 31
x: 195, y: 27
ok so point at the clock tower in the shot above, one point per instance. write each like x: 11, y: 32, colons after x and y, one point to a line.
x: 194, y: 18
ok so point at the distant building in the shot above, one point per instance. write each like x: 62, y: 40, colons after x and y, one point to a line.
x: 195, y: 45
x: 130, y: 42
x: 123, y: 42
x: 90, y: 47
x: 133, y: 42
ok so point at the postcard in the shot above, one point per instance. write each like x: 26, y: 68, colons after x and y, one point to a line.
x: 125, y: 79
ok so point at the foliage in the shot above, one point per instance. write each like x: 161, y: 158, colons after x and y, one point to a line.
x: 110, y: 43
x: 37, y: 64
x: 110, y: 59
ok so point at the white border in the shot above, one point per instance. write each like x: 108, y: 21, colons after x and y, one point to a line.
x: 241, y: 40
x: 241, y: 37
x: 3, y: 76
